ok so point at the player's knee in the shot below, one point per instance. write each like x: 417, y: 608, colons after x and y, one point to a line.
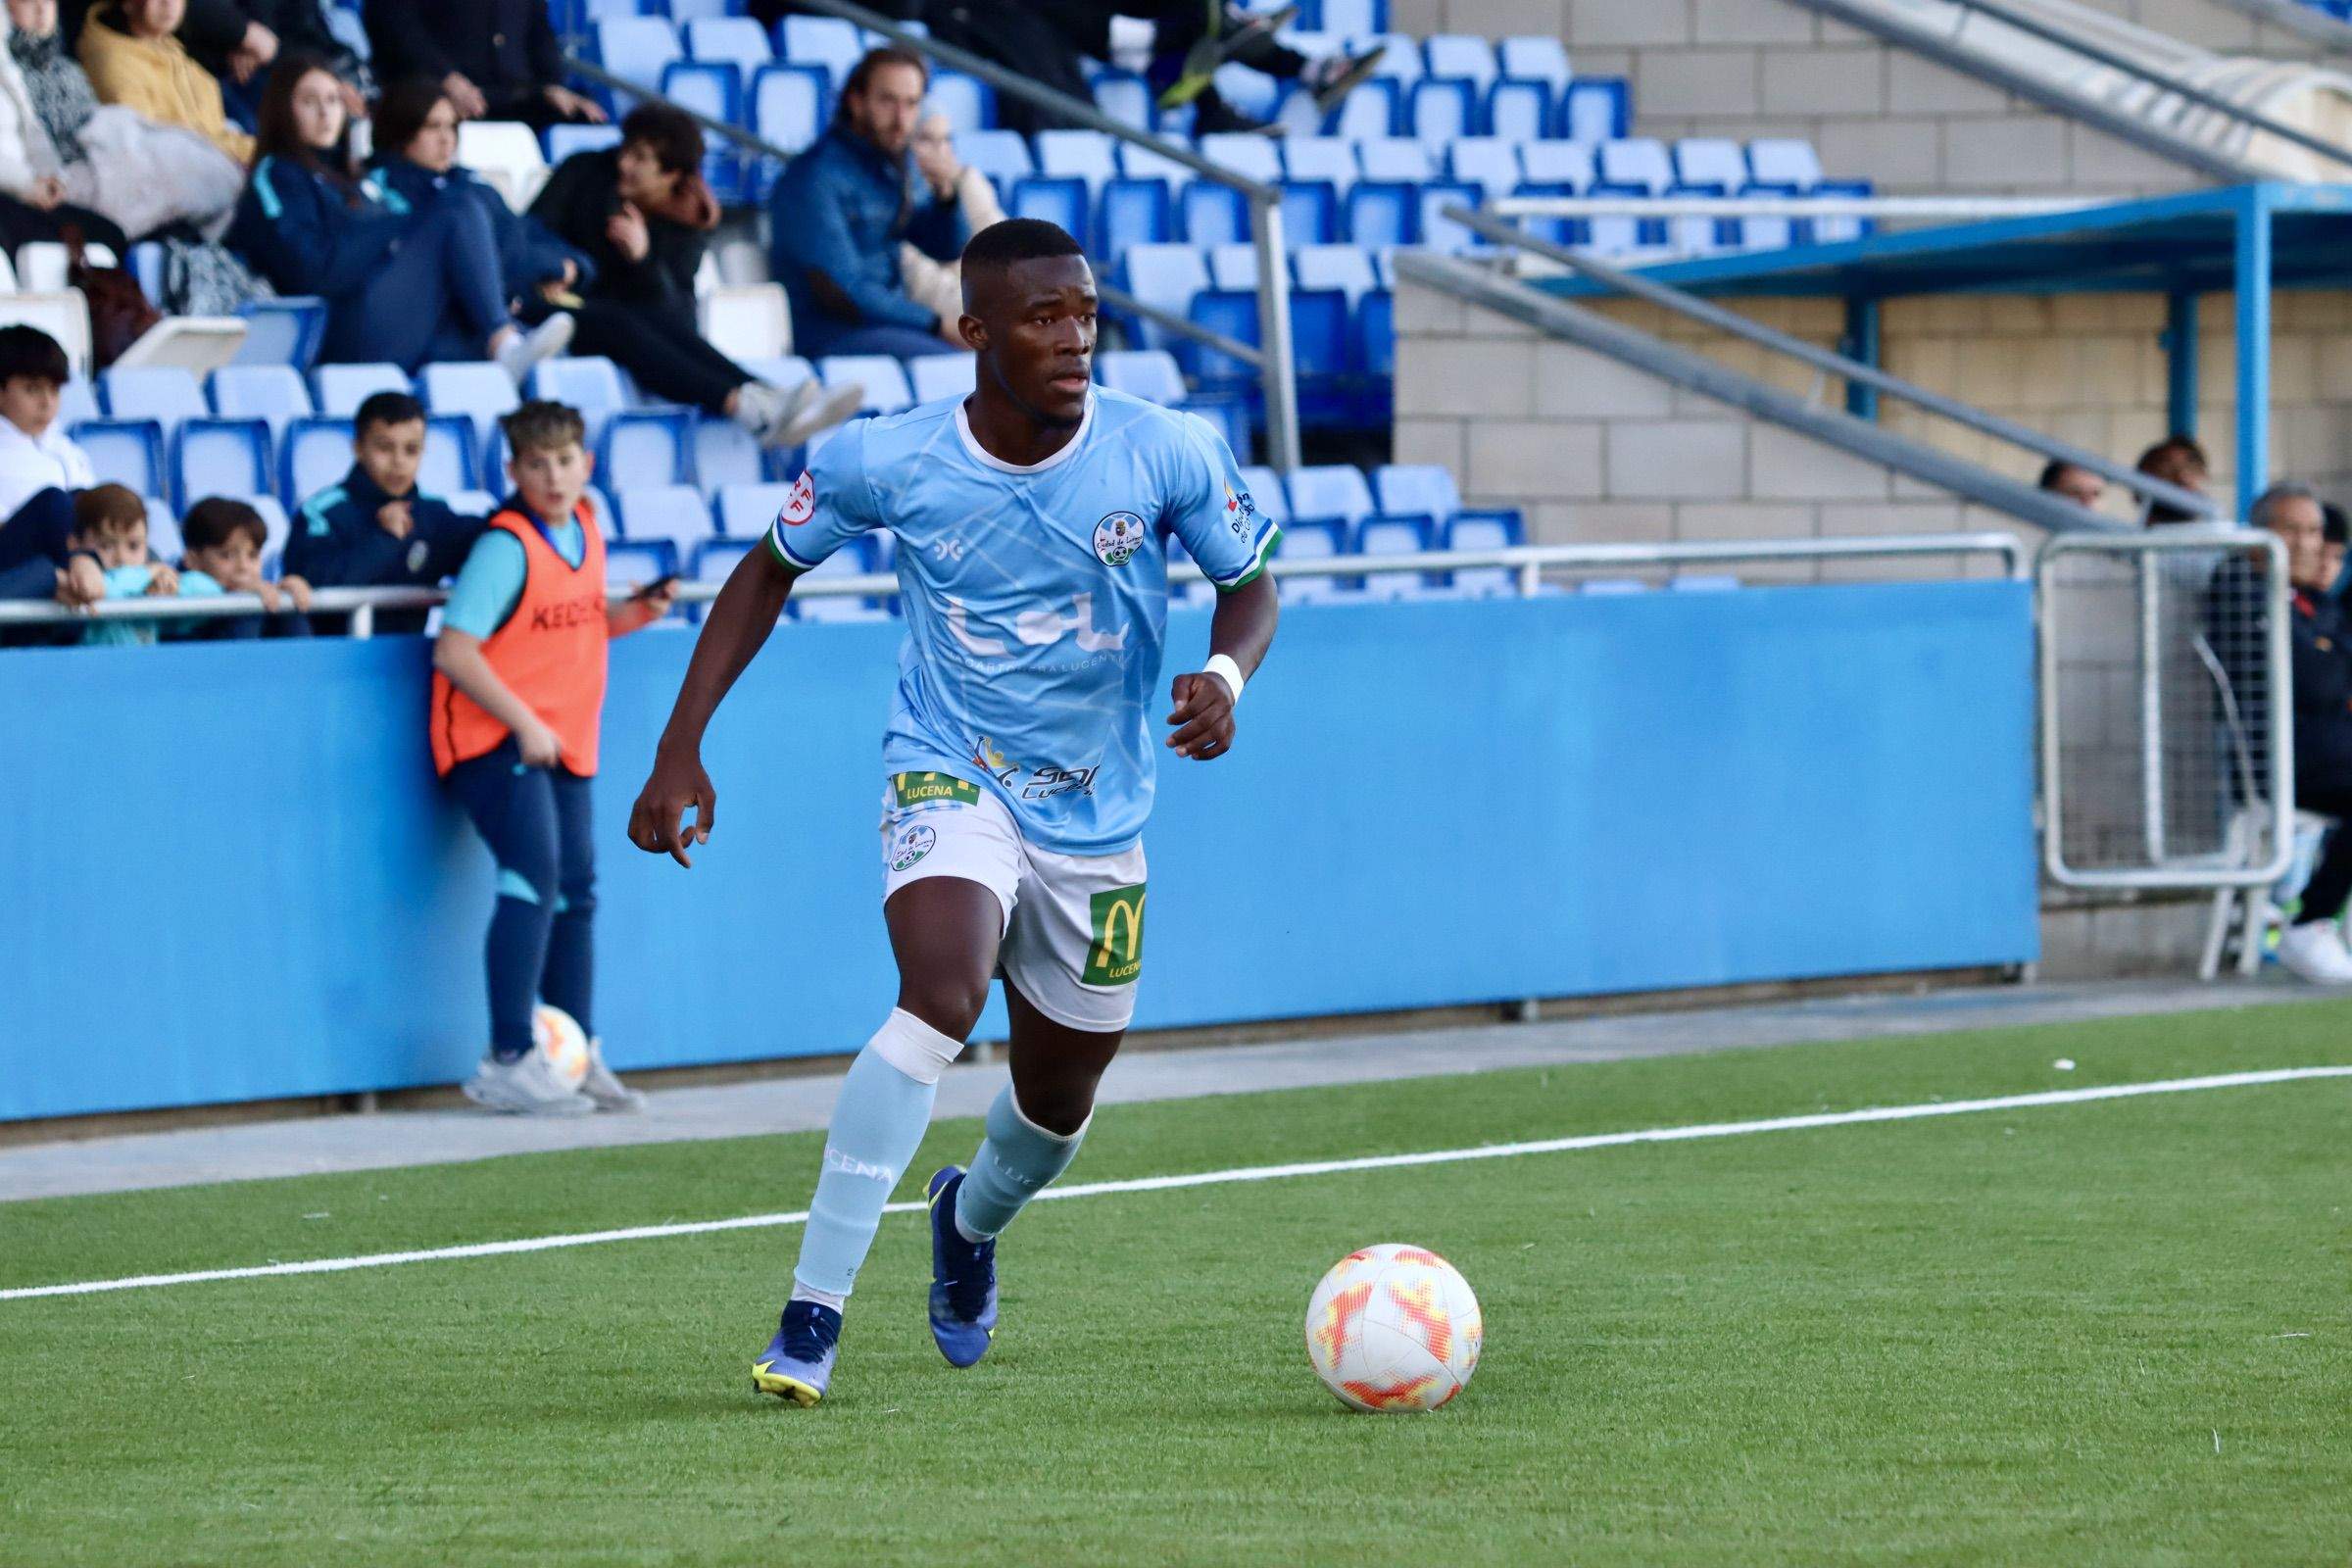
x: 1060, y: 1108
x: 949, y: 1004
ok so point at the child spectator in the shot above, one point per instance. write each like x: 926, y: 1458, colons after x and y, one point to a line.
x: 224, y: 540
x: 110, y: 522
x: 518, y: 695
x: 39, y: 468
x: 376, y: 529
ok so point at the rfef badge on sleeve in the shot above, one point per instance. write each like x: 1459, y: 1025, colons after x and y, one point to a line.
x: 800, y: 505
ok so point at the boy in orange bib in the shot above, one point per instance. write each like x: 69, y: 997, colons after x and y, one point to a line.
x: 518, y: 695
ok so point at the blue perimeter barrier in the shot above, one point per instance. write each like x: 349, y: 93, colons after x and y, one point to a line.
x: 232, y: 875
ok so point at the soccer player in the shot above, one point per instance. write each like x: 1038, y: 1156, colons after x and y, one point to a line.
x: 1031, y: 520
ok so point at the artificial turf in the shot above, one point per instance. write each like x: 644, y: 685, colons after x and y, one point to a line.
x: 2110, y: 1333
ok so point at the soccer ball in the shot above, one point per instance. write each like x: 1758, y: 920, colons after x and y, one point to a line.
x: 1394, y: 1328
x: 560, y: 1039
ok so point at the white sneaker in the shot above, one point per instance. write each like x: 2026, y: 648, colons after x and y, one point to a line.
x: 808, y: 409
x: 545, y: 341
x: 603, y: 1090
x: 524, y: 1087
x: 2315, y: 951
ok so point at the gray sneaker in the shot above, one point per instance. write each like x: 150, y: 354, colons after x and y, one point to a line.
x: 524, y: 1087
x: 603, y: 1090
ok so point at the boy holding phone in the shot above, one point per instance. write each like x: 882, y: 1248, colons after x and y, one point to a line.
x: 519, y: 694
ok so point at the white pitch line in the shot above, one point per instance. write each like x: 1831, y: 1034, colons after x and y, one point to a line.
x: 1218, y: 1178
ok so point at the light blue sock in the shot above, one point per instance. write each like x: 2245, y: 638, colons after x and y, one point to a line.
x: 1015, y: 1162
x: 877, y: 1125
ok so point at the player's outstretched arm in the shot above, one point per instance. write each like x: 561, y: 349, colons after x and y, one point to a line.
x: 733, y: 633
x: 1242, y: 631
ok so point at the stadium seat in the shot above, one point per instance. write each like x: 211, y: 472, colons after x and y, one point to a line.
x: 507, y: 154
x: 636, y: 49
x: 77, y: 400
x: 1249, y: 94
x: 341, y: 388
x: 753, y: 320
x: 1265, y: 488
x: 851, y: 560
x: 272, y: 393
x: 1142, y: 162
x: 749, y: 511
x: 1593, y: 110
x: 166, y: 393
x: 676, y: 513
x: 43, y: 265
x: 1374, y: 109
x: 1234, y: 313
x: 1832, y: 231
x: 590, y: 383
x: 1416, y: 489
x: 450, y: 463
x: 1396, y: 159
x: 1331, y: 490
x: 1211, y: 214
x: 1233, y: 267
x: 1488, y: 161
x: 1481, y: 530
x: 1442, y: 109
x: 569, y: 141
x: 739, y: 40
x: 1330, y: 159
x: 942, y: 375
x: 1537, y: 57
x: 1710, y: 161
x: 1516, y: 108
x: 124, y: 452
x: 1785, y: 161
x: 1346, y: 268
x: 1001, y: 155
x: 146, y: 264
x: 712, y: 89
x: 220, y: 458
x: 474, y: 388
x: 1164, y: 276
x: 1149, y: 373
x: 969, y: 103
x: 1062, y: 200
x: 1459, y: 54
x: 275, y: 531
x: 1353, y: 18
x: 1400, y: 57
x: 1311, y: 213
x: 1380, y: 214
x: 725, y: 454
x: 314, y: 453
x: 1250, y: 156
x: 1313, y: 540
x: 282, y: 331
x: 1076, y: 154
x: 629, y: 564
x: 163, y: 540
x: 1559, y: 162
x: 646, y: 447
x: 715, y: 558
x: 883, y: 378
x: 788, y: 104
x: 826, y: 41
x: 1124, y: 96
x: 1437, y: 231
x: 1396, y: 536
x: 1133, y: 212
x: 1636, y: 163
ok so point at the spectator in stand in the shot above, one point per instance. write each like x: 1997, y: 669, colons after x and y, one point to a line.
x: 110, y: 524
x: 403, y: 284
x: 940, y: 284
x: 133, y: 59
x: 271, y: 30
x: 495, y: 59
x: 39, y: 467
x: 2177, y: 459
x: 2337, y: 534
x: 2075, y: 482
x: 1191, y: 38
x: 842, y: 208
x: 640, y: 214
x: 376, y: 529
x: 223, y: 541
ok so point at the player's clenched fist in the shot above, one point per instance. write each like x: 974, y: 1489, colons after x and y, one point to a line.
x: 1203, y: 717
x: 677, y: 782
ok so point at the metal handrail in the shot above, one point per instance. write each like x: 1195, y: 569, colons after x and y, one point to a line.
x: 1829, y: 360
x: 1884, y: 207
x: 1273, y: 359
x: 1528, y: 561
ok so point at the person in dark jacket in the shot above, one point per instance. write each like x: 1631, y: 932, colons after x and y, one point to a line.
x: 496, y: 59
x: 843, y: 206
x: 401, y: 284
x: 640, y: 214
x: 374, y: 528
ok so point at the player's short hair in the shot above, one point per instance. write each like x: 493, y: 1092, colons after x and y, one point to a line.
x: 104, y: 511
x: 32, y: 354
x: 541, y: 426
x: 668, y: 132
x: 216, y: 519
x: 386, y: 408
x: 1016, y: 239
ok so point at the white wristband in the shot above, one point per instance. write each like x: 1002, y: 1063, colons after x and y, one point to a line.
x: 1225, y: 669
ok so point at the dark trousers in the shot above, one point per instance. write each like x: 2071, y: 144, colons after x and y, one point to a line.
x: 38, y: 530
x: 882, y: 337
x: 436, y: 297
x: 2331, y: 884
x: 542, y: 943
x: 22, y: 222
x: 670, y: 359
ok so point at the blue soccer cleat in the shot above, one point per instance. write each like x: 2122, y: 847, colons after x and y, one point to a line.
x: 963, y: 1278
x: 798, y: 1363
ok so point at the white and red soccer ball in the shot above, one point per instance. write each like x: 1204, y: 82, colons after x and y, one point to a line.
x: 1394, y: 1328
x: 558, y: 1037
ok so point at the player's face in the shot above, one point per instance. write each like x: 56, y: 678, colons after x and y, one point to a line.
x: 1039, y: 336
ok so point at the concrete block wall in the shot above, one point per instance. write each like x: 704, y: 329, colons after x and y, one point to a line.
x: 1773, y: 68
x: 2217, y: 25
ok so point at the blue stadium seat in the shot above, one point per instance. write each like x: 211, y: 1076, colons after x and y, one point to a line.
x: 1165, y: 275
x: 725, y: 454
x: 314, y: 453
x: 1330, y: 159
x: 883, y: 378
x: 1248, y: 92
x: 676, y: 513
x: 1517, y: 109
x: 1322, y: 354
x: 166, y: 393
x: 1150, y: 373
x: 826, y: 41
x: 1442, y: 109
x: 1001, y: 155
x: 1481, y: 530
x: 282, y: 331
x: 1233, y: 267
x: 1536, y: 57
x: 1713, y: 163
x: 1382, y: 212
x: 739, y: 40
x: 1594, y: 109
x: 1703, y: 583
x: 715, y: 558
x: 1124, y: 96
x: 1375, y: 109
x: 450, y: 461
x: 1133, y: 212
x: 636, y: 49
x: 566, y: 141
x: 789, y: 104
x: 683, y: 12
x: 1396, y: 159
x: 1373, y: 347
x: 1416, y: 489
x: 1401, y: 59
x: 1440, y: 232
x: 474, y: 388
x: 1353, y: 18
x: 1636, y: 163
x: 714, y: 89
x: 749, y: 511
x: 1559, y: 162
x: 1315, y: 539
x: 1461, y: 56
x: 1233, y: 312
x: 1396, y: 536
x: 1061, y: 200
x: 629, y: 564
x: 1142, y: 162
x: 1196, y: 591
x: 1265, y: 488
x: 1211, y: 214
x: 941, y: 375
x: 1346, y: 268
x: 275, y: 531
x: 1076, y: 154
x: 1250, y: 156
x: 1785, y: 161
x: 1311, y: 213
x: 340, y: 389
x: 1488, y: 161
x: 272, y: 393
x: 220, y: 458
x: 77, y: 401
x: 123, y: 452
x: 853, y: 560
x: 163, y: 533
x: 969, y: 103
x: 644, y: 447
x: 146, y: 264
x: 1833, y: 230
x: 1331, y: 490
x: 590, y: 383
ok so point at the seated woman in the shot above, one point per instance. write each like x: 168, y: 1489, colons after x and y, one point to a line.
x: 640, y: 212
x: 403, y: 283
x: 133, y: 59
x: 111, y: 173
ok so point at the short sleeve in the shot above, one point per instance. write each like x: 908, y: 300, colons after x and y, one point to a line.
x: 1211, y: 510
x: 489, y: 585
x: 829, y: 504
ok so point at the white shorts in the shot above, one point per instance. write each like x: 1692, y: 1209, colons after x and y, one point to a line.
x: 1073, y: 931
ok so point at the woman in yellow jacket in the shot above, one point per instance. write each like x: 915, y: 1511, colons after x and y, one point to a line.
x: 133, y: 59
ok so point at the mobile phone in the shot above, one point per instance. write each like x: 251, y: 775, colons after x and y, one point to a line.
x: 648, y: 590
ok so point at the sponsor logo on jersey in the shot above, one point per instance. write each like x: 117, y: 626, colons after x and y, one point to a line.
x: 800, y: 505
x: 997, y: 766
x: 1048, y: 782
x: 911, y: 846
x: 1117, y: 957
x: 1117, y: 537
x: 1241, y: 512
x: 933, y: 789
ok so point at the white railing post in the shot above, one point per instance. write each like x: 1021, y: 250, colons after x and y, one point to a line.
x: 1278, y: 377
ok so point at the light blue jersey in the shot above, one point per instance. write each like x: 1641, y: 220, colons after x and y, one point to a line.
x: 1036, y: 597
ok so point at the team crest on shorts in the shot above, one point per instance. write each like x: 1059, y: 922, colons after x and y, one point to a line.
x: 911, y: 845
x: 1117, y: 537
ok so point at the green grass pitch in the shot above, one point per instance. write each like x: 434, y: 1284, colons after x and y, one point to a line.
x: 2109, y: 1333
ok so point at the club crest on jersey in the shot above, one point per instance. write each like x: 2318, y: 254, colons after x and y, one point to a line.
x: 1117, y: 537
x: 800, y: 505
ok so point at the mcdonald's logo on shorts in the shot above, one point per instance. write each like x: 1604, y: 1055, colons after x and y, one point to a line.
x: 1117, y: 957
